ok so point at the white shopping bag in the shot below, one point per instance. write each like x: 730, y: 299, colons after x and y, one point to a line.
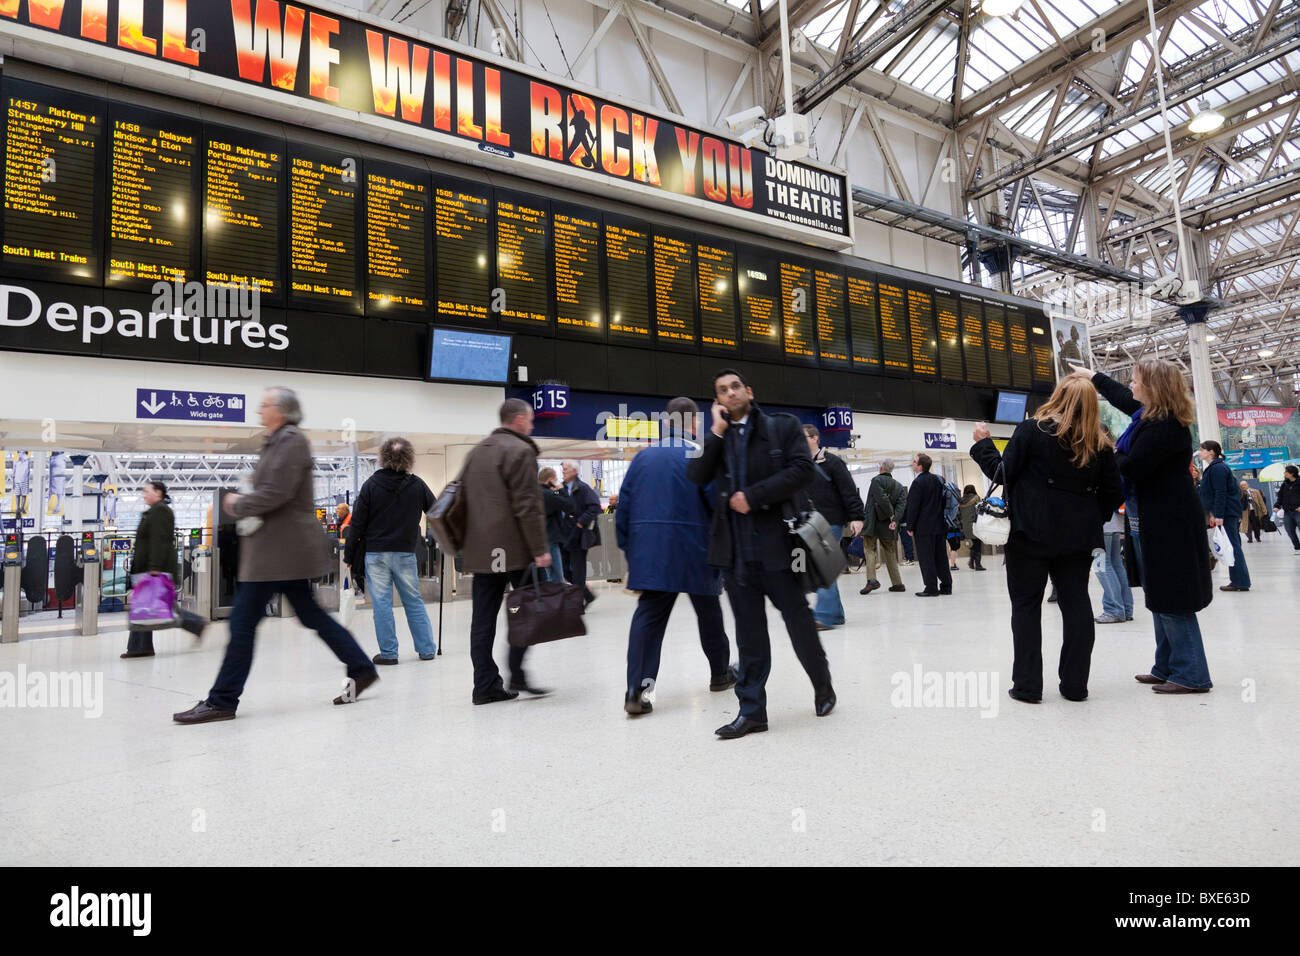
x: 1221, y: 546
x: 347, y: 606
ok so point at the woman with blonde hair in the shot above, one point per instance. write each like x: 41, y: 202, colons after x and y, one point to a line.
x: 1165, y: 520
x: 1062, y: 483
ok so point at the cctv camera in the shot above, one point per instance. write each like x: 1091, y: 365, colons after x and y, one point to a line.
x: 745, y: 117
x: 752, y: 136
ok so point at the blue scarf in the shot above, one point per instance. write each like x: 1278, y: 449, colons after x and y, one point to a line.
x: 1123, y: 445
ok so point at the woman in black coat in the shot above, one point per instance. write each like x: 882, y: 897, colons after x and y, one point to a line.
x: 1062, y: 483
x: 1165, y: 517
x: 154, y: 552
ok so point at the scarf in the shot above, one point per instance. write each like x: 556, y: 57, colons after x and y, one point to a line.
x: 1123, y: 445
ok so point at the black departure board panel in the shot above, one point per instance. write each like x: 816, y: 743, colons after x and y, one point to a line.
x: 716, y: 279
x: 864, y: 323
x: 397, y: 234
x: 1018, y: 342
x: 759, y: 286
x: 949, y: 326
x: 1040, y: 349
x: 995, y: 336
x: 523, y: 227
x: 154, y: 166
x: 797, y: 312
x: 832, y: 319
x: 461, y: 240
x: 891, y: 300
x: 242, y: 211
x: 627, y: 264
x: 673, y: 288
x: 925, y: 341
x: 52, y: 211
x: 324, y: 201
x: 972, y: 341
x: 579, y: 309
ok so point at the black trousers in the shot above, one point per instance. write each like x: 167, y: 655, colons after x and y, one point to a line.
x: 932, y: 556
x: 487, y: 593
x: 746, y: 596
x: 976, y: 550
x: 577, y: 560
x: 646, y: 637
x: 1028, y: 569
x: 1253, y: 528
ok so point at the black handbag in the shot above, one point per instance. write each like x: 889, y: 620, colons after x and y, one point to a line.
x: 818, y: 560
x: 446, y: 519
x: 544, y: 611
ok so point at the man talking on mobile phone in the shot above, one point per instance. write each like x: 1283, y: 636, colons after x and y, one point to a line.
x: 757, y: 463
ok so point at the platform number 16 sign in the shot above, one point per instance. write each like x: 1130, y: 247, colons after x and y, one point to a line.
x: 837, y: 419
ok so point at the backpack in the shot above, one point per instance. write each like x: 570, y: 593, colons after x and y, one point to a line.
x: 951, y: 507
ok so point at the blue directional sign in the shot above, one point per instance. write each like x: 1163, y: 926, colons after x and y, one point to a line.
x: 940, y: 440
x: 178, y: 405
x: 1255, y: 457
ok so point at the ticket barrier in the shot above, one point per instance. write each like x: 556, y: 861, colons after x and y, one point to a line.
x: 11, y: 566
x: 88, y: 559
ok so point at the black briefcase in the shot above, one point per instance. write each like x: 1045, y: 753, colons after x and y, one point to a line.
x: 544, y: 611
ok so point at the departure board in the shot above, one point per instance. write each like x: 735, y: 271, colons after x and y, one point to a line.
x: 323, y: 249
x: 864, y: 323
x: 578, y: 307
x: 945, y: 317
x: 972, y: 341
x: 52, y: 208
x: 241, y: 219
x: 397, y: 229
x: 797, y: 312
x: 892, y: 302
x: 925, y: 341
x: 461, y: 231
x: 1040, y: 349
x: 995, y: 335
x: 832, y: 321
x: 522, y: 274
x: 153, y: 175
x: 759, y: 286
x: 716, y: 280
x: 1018, y: 342
x: 627, y: 261
x: 674, y: 291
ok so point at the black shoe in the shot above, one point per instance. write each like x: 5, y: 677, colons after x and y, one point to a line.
x: 493, y: 696
x: 381, y: 659
x: 947, y: 593
x: 824, y: 703
x: 586, y: 601
x: 899, y: 588
x: 636, y: 705
x: 129, y: 654
x: 871, y: 586
x: 355, y: 687
x: 1074, y: 695
x: 1023, y: 697
x: 821, y: 626
x: 926, y: 593
x: 195, y: 626
x: 741, y: 726
x: 518, y: 685
x: 724, y: 681
x: 202, y: 713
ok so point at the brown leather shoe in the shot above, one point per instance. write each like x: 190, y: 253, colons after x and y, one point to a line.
x: 1147, y: 679
x: 1232, y: 587
x: 1168, y: 688
x: 202, y: 713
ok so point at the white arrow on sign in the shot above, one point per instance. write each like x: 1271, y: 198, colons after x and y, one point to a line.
x: 153, y: 405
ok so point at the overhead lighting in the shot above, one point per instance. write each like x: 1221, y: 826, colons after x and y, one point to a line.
x: 1211, y: 337
x: 1266, y: 353
x: 1247, y: 377
x: 1206, y: 120
x: 1000, y: 8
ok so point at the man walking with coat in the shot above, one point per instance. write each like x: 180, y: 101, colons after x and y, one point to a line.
x: 757, y: 463
x: 929, y: 531
x: 884, y: 513
x: 584, y: 535
x: 282, y: 550
x: 836, y: 497
x: 662, y: 525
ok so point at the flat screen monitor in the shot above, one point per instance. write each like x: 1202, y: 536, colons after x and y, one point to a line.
x: 1011, y: 408
x: 475, y: 357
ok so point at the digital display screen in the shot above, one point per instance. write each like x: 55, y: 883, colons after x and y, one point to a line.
x: 797, y: 312
x: 1011, y: 408
x: 458, y: 356
x: 1040, y: 349
x: 397, y: 228
x: 241, y: 219
x: 925, y: 341
x: 832, y: 321
x: 627, y: 264
x: 52, y: 208
x: 892, y: 302
x: 716, y: 281
x: 949, y: 326
x: 579, y: 311
x: 674, y: 291
x: 995, y: 335
x: 1018, y: 340
x: 522, y: 275
x: 864, y: 323
x: 972, y: 341
x: 759, y: 286
x: 154, y: 169
x: 323, y: 250
x: 461, y: 227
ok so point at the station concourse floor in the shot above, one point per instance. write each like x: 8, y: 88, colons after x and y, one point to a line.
x: 412, y: 774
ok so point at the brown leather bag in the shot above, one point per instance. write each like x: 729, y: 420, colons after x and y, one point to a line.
x: 546, y: 611
x: 446, y: 519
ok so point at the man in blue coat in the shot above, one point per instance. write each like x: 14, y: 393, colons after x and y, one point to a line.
x: 662, y: 524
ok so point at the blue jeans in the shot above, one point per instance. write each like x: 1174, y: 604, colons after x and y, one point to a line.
x: 384, y: 571
x: 1238, y: 574
x: 1117, y: 596
x: 1180, y: 652
x: 556, y: 571
x: 829, y: 609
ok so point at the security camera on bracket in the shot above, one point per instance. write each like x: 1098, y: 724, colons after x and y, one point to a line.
x: 786, y: 137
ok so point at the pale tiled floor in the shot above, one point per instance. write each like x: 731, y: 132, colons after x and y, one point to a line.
x: 413, y: 774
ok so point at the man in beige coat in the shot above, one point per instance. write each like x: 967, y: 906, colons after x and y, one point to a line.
x: 281, y: 549
x: 505, y: 532
x: 1253, y: 511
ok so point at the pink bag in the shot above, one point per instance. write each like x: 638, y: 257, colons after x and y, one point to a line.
x: 153, y: 602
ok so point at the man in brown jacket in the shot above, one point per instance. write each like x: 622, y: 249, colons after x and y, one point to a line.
x: 1253, y: 512
x: 505, y: 532
x: 282, y: 549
